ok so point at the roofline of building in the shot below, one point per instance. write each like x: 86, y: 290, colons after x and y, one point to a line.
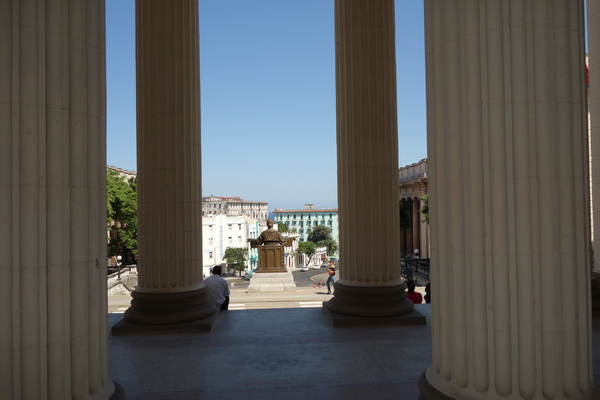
x: 125, y: 171
x: 279, y: 210
x: 233, y: 199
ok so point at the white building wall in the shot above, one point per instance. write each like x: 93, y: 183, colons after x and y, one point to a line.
x: 220, y: 232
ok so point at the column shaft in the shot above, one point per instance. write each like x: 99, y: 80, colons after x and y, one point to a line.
x: 403, y: 248
x: 53, y: 341
x: 416, y: 224
x: 367, y: 154
x: 507, y: 151
x: 411, y: 228
x: 593, y: 12
x: 169, y: 165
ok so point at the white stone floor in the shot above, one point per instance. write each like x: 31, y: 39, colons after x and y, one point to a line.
x: 280, y: 353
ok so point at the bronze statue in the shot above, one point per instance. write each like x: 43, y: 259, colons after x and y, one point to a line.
x: 271, y: 237
x: 270, y: 246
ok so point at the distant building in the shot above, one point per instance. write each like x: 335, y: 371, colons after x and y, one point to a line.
x: 302, y: 221
x: 413, y: 186
x: 220, y: 232
x: 234, y: 206
x: 125, y: 174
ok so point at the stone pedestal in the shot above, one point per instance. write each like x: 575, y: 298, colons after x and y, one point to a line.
x: 509, y: 206
x: 271, y: 259
x: 272, y: 282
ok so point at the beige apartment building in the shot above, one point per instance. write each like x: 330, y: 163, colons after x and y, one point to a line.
x: 412, y: 187
x: 508, y: 178
x: 234, y: 207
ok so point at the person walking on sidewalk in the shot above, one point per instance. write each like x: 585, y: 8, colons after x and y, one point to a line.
x: 331, y: 278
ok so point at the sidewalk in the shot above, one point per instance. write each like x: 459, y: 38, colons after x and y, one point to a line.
x: 241, y: 300
x: 303, y: 297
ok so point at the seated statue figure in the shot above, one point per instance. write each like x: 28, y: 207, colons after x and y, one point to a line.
x: 270, y: 246
x: 271, y: 237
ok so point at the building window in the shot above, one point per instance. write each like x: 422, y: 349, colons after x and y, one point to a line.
x: 229, y: 241
x: 239, y: 227
x: 210, y: 255
x: 239, y: 239
x: 229, y: 226
x: 210, y: 241
x: 210, y: 228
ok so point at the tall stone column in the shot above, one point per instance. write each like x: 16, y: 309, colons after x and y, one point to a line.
x: 424, y: 231
x: 416, y: 223
x: 53, y: 340
x: 410, y: 230
x: 402, y: 234
x: 170, y: 286
x: 507, y: 150
x: 367, y: 151
x: 593, y: 12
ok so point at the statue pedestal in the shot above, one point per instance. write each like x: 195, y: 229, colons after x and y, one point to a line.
x: 272, y: 282
x: 271, y: 259
x: 272, y: 275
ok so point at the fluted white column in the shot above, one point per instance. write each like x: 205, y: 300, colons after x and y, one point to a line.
x: 53, y: 340
x: 367, y: 150
x: 169, y: 163
x: 593, y: 13
x: 510, y: 263
x: 424, y: 233
x: 416, y: 223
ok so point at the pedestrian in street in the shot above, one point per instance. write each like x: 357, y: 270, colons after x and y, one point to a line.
x: 219, y: 288
x: 427, y: 296
x: 330, y: 279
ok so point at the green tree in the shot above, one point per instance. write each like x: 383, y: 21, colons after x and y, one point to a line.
x: 425, y: 209
x: 307, y: 248
x: 237, y: 257
x: 121, y: 215
x: 320, y: 235
x: 283, y: 227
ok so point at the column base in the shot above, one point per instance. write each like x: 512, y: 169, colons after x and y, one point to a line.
x: 429, y: 392
x: 169, y: 308
x: 371, y: 302
x: 119, y: 393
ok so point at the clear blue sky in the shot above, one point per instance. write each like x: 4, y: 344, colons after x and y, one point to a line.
x: 267, y: 70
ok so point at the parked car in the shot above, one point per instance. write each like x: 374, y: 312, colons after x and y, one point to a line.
x: 303, y: 268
